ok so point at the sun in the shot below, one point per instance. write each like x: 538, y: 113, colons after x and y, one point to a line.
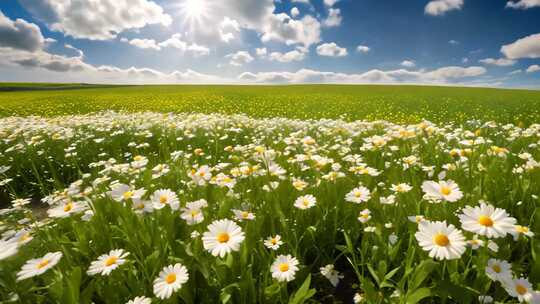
x: 194, y: 10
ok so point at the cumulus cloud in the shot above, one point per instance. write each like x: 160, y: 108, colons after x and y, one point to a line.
x: 20, y: 34
x: 533, y: 68
x: 334, y: 18
x: 440, y: 7
x: 228, y: 29
x: 523, y: 4
x: 261, y: 52
x: 175, y: 41
x: 445, y: 75
x: 408, y: 63
x: 362, y: 49
x: 331, y: 50
x: 295, y: 11
x: 97, y: 19
x: 239, y: 58
x: 527, y: 47
x: 282, y: 28
x: 498, y: 62
x: 145, y: 44
x: 330, y: 2
x: 294, y: 55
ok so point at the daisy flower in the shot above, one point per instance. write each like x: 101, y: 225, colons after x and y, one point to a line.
x: 305, y: 202
x: 401, y: 188
x: 142, y: 206
x: 243, y: 215
x: 140, y: 300
x: 273, y: 242
x: 358, y: 195
x: 7, y: 249
x: 170, y: 279
x: 164, y: 197
x: 486, y: 220
x: 284, y: 268
x: 442, y: 241
x: 519, y: 230
x: 519, y: 288
x: 365, y: 215
x: 20, y: 202
x: 443, y: 190
x: 35, y: 267
x: 499, y: 270
x: 106, y: 263
x: 331, y: 274
x: 222, y: 237
x: 192, y: 213
x: 66, y: 209
x: 123, y: 192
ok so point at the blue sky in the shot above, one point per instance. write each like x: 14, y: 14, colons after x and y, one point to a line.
x: 449, y: 42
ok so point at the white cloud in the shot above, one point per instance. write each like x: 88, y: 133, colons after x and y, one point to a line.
x: 527, y: 47
x: 445, y: 75
x: 145, y: 44
x: 362, y: 49
x: 227, y: 29
x: 295, y: 11
x: 282, y: 28
x: 334, y: 18
x: 453, y: 42
x: 300, y: 1
x: 175, y: 41
x: 533, y: 68
x: 294, y: 55
x: 97, y: 19
x: 20, y: 34
x: 408, y: 63
x: 331, y: 50
x: 523, y: 4
x: 330, y: 2
x: 440, y: 7
x: 261, y: 52
x: 498, y: 62
x: 189, y: 48
x: 71, y: 47
x: 515, y: 72
x: 239, y: 58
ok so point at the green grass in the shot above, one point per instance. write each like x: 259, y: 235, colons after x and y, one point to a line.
x: 400, y: 104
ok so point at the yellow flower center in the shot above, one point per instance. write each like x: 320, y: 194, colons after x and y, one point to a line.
x: 68, y: 207
x: 520, y: 289
x: 305, y: 202
x: 223, y: 237
x: 283, y: 267
x: 128, y: 194
x: 163, y: 199
x: 485, y: 221
x: 194, y: 213
x: 445, y: 190
x: 357, y: 194
x: 245, y: 214
x: 43, y: 263
x: 273, y: 241
x: 496, y: 268
x: 441, y: 240
x: 110, y: 261
x: 170, y: 278
x: 140, y: 206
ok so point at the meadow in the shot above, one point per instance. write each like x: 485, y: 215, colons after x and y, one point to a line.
x: 399, y: 104
x: 270, y: 194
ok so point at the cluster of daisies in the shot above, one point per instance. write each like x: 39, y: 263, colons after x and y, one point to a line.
x: 292, y: 176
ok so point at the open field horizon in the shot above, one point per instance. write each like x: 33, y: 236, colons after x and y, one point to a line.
x: 395, y: 103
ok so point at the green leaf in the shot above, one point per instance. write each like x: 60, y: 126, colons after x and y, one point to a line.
x: 418, y: 295
x: 421, y: 273
x: 303, y: 293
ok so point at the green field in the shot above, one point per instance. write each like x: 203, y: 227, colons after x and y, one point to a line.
x: 400, y: 104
